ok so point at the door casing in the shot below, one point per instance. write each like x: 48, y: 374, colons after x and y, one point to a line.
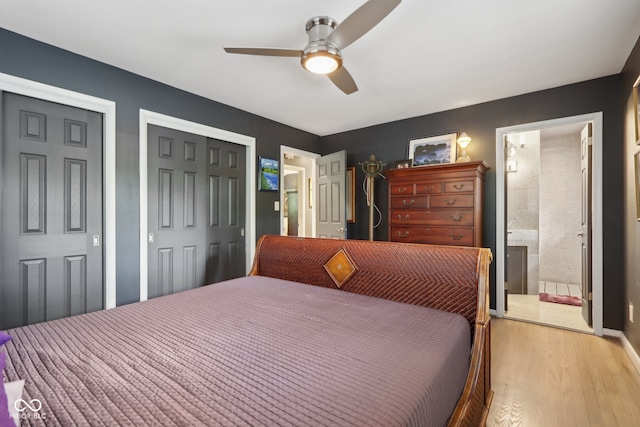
x: 597, y: 226
x: 107, y: 108
x: 150, y: 117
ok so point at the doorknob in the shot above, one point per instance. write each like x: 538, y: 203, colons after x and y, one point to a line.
x: 341, y: 230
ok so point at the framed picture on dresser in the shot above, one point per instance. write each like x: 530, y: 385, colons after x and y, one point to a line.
x: 433, y: 150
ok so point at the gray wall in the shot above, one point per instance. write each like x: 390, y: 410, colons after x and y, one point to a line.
x: 30, y: 59
x: 389, y: 143
x: 630, y: 73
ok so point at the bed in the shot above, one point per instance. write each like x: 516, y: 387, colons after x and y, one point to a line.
x: 321, y: 332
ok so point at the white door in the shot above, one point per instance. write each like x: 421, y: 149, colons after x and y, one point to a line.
x: 330, y: 195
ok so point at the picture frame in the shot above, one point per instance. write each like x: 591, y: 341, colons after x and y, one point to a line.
x: 636, y: 110
x: 268, y: 174
x: 433, y: 150
x: 636, y: 163
x: 404, y: 164
x: 351, y: 194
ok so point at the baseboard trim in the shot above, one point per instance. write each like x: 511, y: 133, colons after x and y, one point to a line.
x: 633, y: 355
x: 612, y: 333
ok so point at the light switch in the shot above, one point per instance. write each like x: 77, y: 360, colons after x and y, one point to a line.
x: 276, y: 206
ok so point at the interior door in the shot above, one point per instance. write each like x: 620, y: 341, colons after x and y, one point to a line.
x: 51, y: 229
x: 226, y: 210
x: 585, y: 231
x: 330, y: 190
x: 196, y: 202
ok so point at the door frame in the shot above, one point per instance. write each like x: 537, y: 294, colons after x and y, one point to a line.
x: 596, y: 202
x: 107, y: 108
x: 152, y: 118
x: 308, y: 155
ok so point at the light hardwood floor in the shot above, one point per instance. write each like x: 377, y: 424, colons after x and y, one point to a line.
x: 543, y: 376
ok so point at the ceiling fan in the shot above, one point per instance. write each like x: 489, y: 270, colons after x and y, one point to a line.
x: 323, y: 55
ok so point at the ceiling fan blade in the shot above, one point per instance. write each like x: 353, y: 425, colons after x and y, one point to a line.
x: 361, y: 21
x: 343, y: 80
x: 264, y: 51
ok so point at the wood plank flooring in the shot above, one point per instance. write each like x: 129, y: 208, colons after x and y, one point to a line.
x: 543, y: 376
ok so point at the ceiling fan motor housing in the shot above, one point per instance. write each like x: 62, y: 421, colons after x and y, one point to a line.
x: 318, y: 28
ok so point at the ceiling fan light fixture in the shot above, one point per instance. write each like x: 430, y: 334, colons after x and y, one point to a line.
x: 321, y: 59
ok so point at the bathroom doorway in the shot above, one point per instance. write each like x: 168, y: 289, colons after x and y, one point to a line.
x: 543, y: 239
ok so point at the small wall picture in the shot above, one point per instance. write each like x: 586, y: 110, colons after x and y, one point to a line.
x: 268, y: 175
x: 351, y: 195
x: 434, y: 150
x: 636, y: 163
x: 636, y: 110
x: 404, y: 164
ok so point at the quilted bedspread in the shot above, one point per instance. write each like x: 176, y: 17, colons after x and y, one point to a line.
x: 253, y: 351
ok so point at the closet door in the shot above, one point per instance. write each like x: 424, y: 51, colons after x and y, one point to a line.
x: 52, y: 257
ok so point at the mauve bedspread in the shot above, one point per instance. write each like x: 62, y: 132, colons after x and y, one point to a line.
x: 247, y: 352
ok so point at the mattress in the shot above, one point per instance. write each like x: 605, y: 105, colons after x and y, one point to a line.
x: 251, y: 351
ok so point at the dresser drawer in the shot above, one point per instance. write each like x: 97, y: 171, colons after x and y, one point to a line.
x: 453, y: 217
x: 416, y: 202
x: 433, y: 187
x: 452, y: 201
x: 455, y: 236
x: 401, y: 189
x: 458, y: 187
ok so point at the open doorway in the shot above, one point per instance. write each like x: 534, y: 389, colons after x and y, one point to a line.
x: 540, y: 239
x: 297, y: 216
x: 544, y: 213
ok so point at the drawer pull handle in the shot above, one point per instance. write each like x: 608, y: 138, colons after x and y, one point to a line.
x: 408, y: 203
x: 403, y: 233
x: 403, y: 218
x: 458, y: 186
x: 453, y: 202
x: 428, y: 189
x: 458, y: 237
x: 456, y: 218
x: 402, y: 190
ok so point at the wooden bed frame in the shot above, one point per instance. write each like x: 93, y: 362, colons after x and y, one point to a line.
x: 453, y: 279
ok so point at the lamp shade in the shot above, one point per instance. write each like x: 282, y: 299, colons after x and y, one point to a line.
x: 463, y: 141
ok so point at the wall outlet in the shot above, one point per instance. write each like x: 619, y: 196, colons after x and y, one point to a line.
x: 631, y: 312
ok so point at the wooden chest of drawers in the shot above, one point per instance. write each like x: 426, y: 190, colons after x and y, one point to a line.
x: 440, y: 204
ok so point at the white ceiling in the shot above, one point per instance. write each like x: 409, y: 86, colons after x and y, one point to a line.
x: 426, y: 56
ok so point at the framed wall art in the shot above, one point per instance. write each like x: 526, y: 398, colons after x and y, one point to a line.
x: 268, y: 174
x: 636, y: 110
x: 636, y: 164
x: 433, y: 150
x: 351, y: 194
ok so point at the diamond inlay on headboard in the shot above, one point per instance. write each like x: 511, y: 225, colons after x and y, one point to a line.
x: 340, y: 268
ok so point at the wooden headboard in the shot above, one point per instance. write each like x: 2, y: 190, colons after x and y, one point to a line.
x: 449, y: 278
